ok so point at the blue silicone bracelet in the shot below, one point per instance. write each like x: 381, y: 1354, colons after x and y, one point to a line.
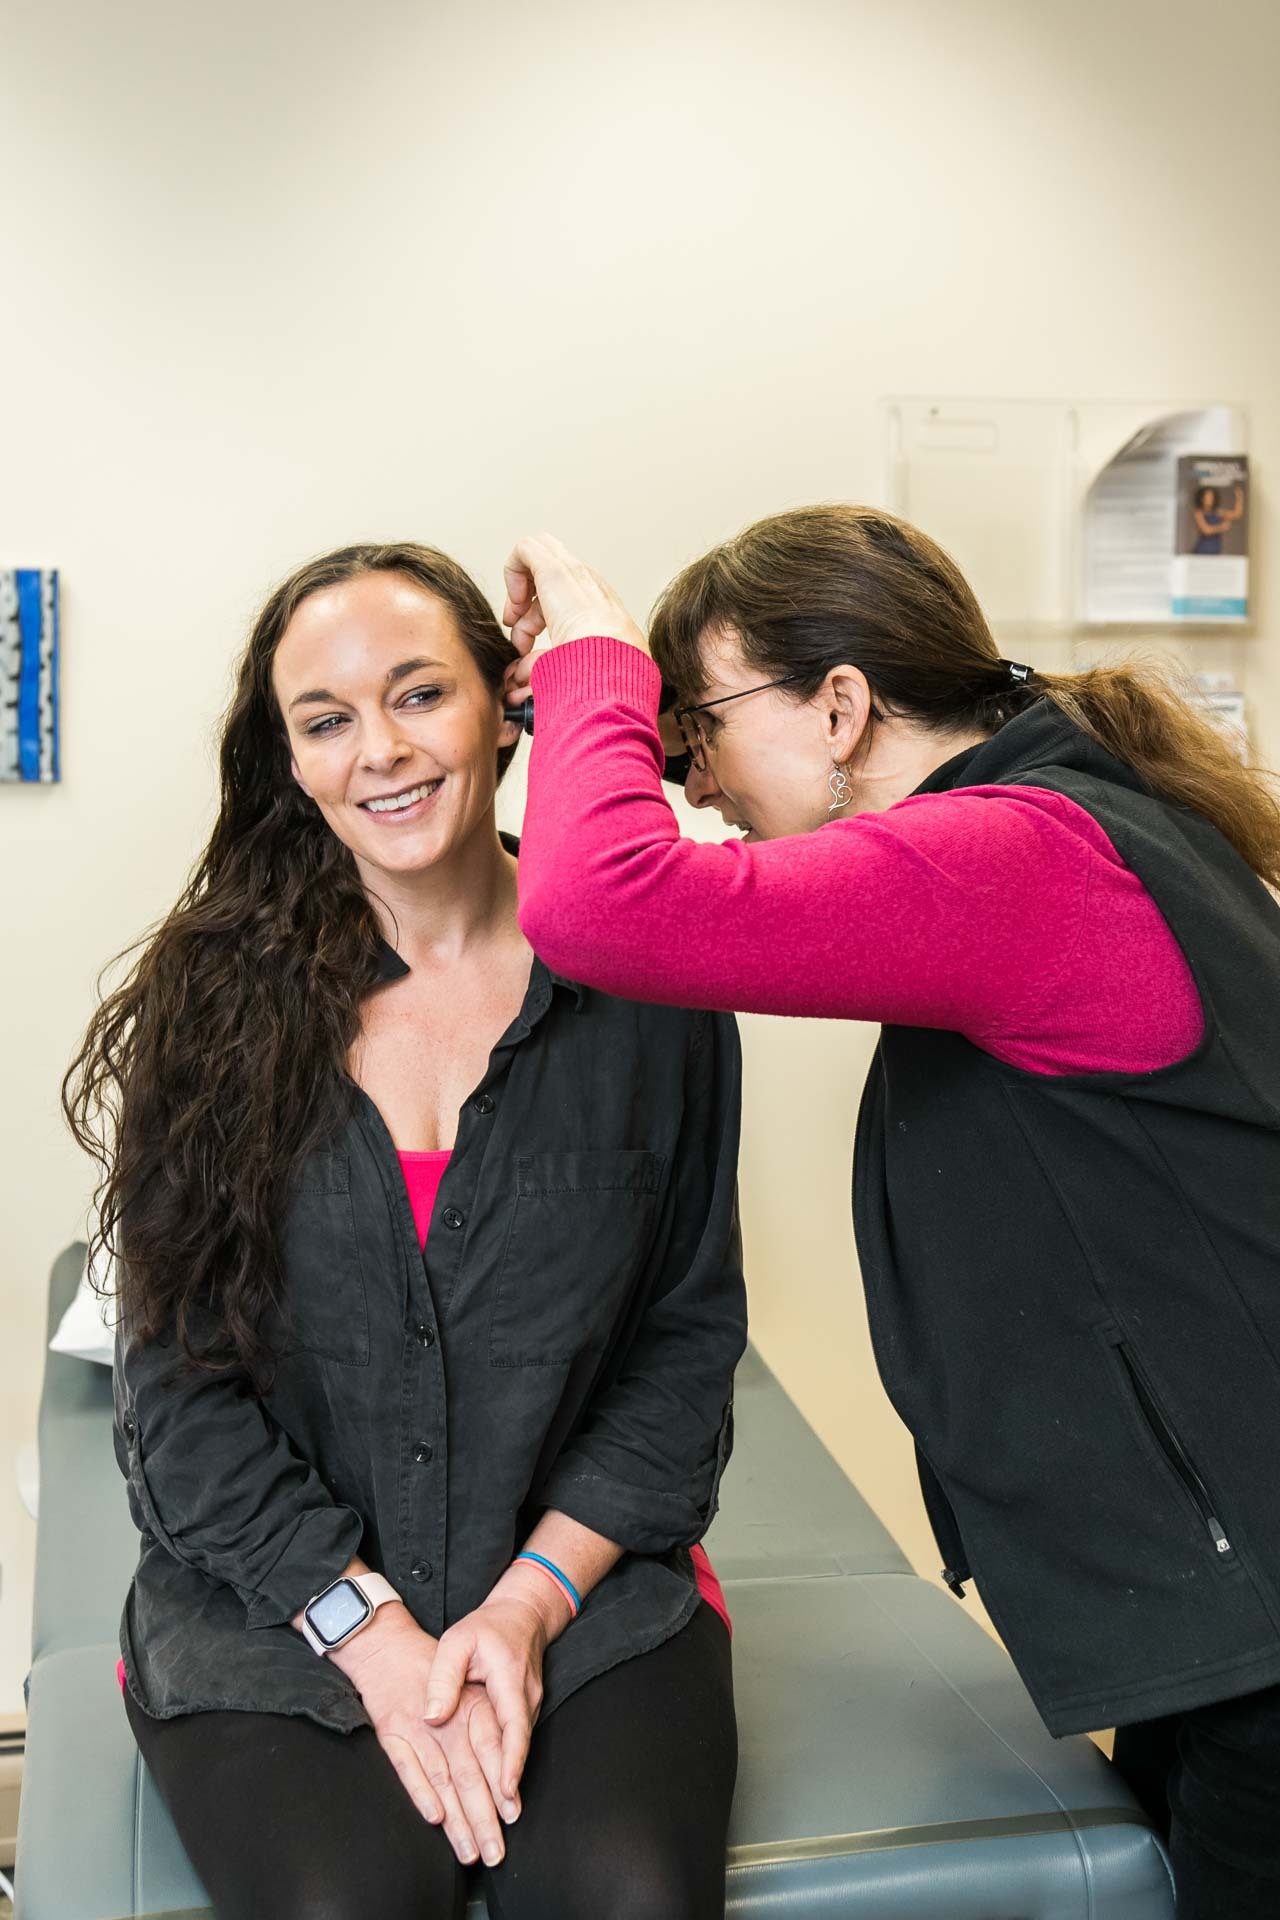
x: 556, y: 1574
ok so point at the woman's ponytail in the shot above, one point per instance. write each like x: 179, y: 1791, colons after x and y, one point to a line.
x: 1135, y: 711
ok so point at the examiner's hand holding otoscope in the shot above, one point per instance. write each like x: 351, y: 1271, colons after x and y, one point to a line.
x: 551, y: 592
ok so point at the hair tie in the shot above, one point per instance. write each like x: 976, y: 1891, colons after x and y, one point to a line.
x: 1017, y: 672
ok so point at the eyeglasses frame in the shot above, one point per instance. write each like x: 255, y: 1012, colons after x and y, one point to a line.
x: 694, y: 740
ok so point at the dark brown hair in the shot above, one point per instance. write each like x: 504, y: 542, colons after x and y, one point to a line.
x: 826, y: 586
x: 205, y: 1078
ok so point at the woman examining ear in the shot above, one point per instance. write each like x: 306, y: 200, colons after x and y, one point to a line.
x: 1052, y: 892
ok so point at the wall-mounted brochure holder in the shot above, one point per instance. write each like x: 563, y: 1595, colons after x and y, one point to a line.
x: 1078, y: 514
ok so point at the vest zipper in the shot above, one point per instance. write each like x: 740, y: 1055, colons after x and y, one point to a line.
x: 946, y: 1528
x: 1172, y: 1448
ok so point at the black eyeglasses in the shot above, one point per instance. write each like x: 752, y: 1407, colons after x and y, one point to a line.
x: 691, y: 732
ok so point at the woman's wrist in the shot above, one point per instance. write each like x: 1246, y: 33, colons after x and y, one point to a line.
x: 391, y: 1627
x: 597, y: 667
x: 527, y: 1585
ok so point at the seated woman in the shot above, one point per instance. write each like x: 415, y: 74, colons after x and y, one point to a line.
x: 430, y: 1305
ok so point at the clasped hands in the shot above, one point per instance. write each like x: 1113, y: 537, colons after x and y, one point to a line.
x: 455, y: 1716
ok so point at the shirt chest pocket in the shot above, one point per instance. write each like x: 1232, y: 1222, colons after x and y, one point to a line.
x: 582, y: 1224
x: 326, y: 1311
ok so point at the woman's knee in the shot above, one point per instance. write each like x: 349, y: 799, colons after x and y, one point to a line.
x: 636, y: 1878
x: 392, y: 1891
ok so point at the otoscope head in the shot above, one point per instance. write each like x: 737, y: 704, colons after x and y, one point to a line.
x: 676, y: 769
x: 521, y: 716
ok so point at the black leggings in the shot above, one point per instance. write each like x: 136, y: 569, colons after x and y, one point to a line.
x: 1210, y: 1780
x: 625, y: 1796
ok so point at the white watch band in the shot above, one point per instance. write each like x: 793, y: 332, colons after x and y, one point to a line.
x: 376, y: 1590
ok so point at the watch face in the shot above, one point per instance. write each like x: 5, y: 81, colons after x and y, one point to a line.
x: 337, y: 1612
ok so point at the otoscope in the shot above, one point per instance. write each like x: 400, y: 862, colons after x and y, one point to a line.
x: 676, y: 769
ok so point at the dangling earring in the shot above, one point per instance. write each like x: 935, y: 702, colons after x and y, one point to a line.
x: 841, y: 791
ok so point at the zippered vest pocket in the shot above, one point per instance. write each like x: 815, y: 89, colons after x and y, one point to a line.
x: 1164, y: 1433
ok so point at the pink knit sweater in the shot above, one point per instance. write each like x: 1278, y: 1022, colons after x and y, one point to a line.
x: 1003, y: 913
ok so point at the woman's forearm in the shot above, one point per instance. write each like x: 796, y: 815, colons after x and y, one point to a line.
x: 944, y: 912
x: 220, y: 1485
x: 582, y: 1556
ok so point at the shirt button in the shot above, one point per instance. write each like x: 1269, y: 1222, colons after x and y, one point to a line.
x: 129, y: 1425
x: 483, y: 1104
x: 422, y: 1451
x: 452, y: 1218
x: 420, y: 1570
x: 424, y: 1334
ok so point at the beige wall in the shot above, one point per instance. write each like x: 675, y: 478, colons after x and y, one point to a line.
x: 282, y: 276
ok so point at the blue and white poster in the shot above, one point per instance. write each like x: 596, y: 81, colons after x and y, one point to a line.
x: 29, y: 674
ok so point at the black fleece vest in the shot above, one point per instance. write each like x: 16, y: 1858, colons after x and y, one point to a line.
x: 1074, y: 1292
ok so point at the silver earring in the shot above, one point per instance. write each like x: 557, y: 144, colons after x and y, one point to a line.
x: 841, y: 791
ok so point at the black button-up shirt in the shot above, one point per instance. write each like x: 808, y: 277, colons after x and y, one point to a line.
x: 568, y: 1341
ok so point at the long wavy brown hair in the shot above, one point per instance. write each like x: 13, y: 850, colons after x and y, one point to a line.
x: 826, y: 586
x: 219, y: 1063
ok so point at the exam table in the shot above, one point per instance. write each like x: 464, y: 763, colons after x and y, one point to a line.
x: 891, y: 1762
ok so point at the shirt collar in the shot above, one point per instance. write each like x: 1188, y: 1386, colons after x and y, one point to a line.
x: 392, y: 967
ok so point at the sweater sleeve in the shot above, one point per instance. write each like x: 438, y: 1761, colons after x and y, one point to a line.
x: 221, y: 1487
x: 965, y: 910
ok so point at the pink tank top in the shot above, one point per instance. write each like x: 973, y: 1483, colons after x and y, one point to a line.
x: 423, y: 1173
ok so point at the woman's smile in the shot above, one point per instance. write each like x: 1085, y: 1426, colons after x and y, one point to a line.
x: 407, y: 803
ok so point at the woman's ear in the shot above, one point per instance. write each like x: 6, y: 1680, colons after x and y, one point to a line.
x: 846, y: 699
x: 293, y: 768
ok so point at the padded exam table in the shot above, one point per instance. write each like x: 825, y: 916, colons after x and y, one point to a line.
x: 892, y: 1764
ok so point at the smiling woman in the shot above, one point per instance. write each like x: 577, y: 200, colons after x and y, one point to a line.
x: 277, y: 937
x: 389, y: 693
x: 430, y: 1307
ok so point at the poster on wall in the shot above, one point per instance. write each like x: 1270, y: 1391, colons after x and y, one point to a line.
x: 1211, y: 553
x: 29, y: 748
x: 1165, y: 537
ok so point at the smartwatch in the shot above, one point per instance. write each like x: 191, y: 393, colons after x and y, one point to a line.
x: 340, y: 1610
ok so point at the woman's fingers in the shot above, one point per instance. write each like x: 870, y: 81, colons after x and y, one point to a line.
x: 485, y: 1736
x: 453, y: 1790
x: 521, y: 587
x: 474, y: 1790
x: 536, y: 562
x: 433, y: 1763
x: 457, y: 1823
x: 448, y: 1677
x: 549, y: 591
x: 518, y: 678
x: 526, y: 629
x: 520, y: 591
x: 413, y: 1778
x: 515, y: 1716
